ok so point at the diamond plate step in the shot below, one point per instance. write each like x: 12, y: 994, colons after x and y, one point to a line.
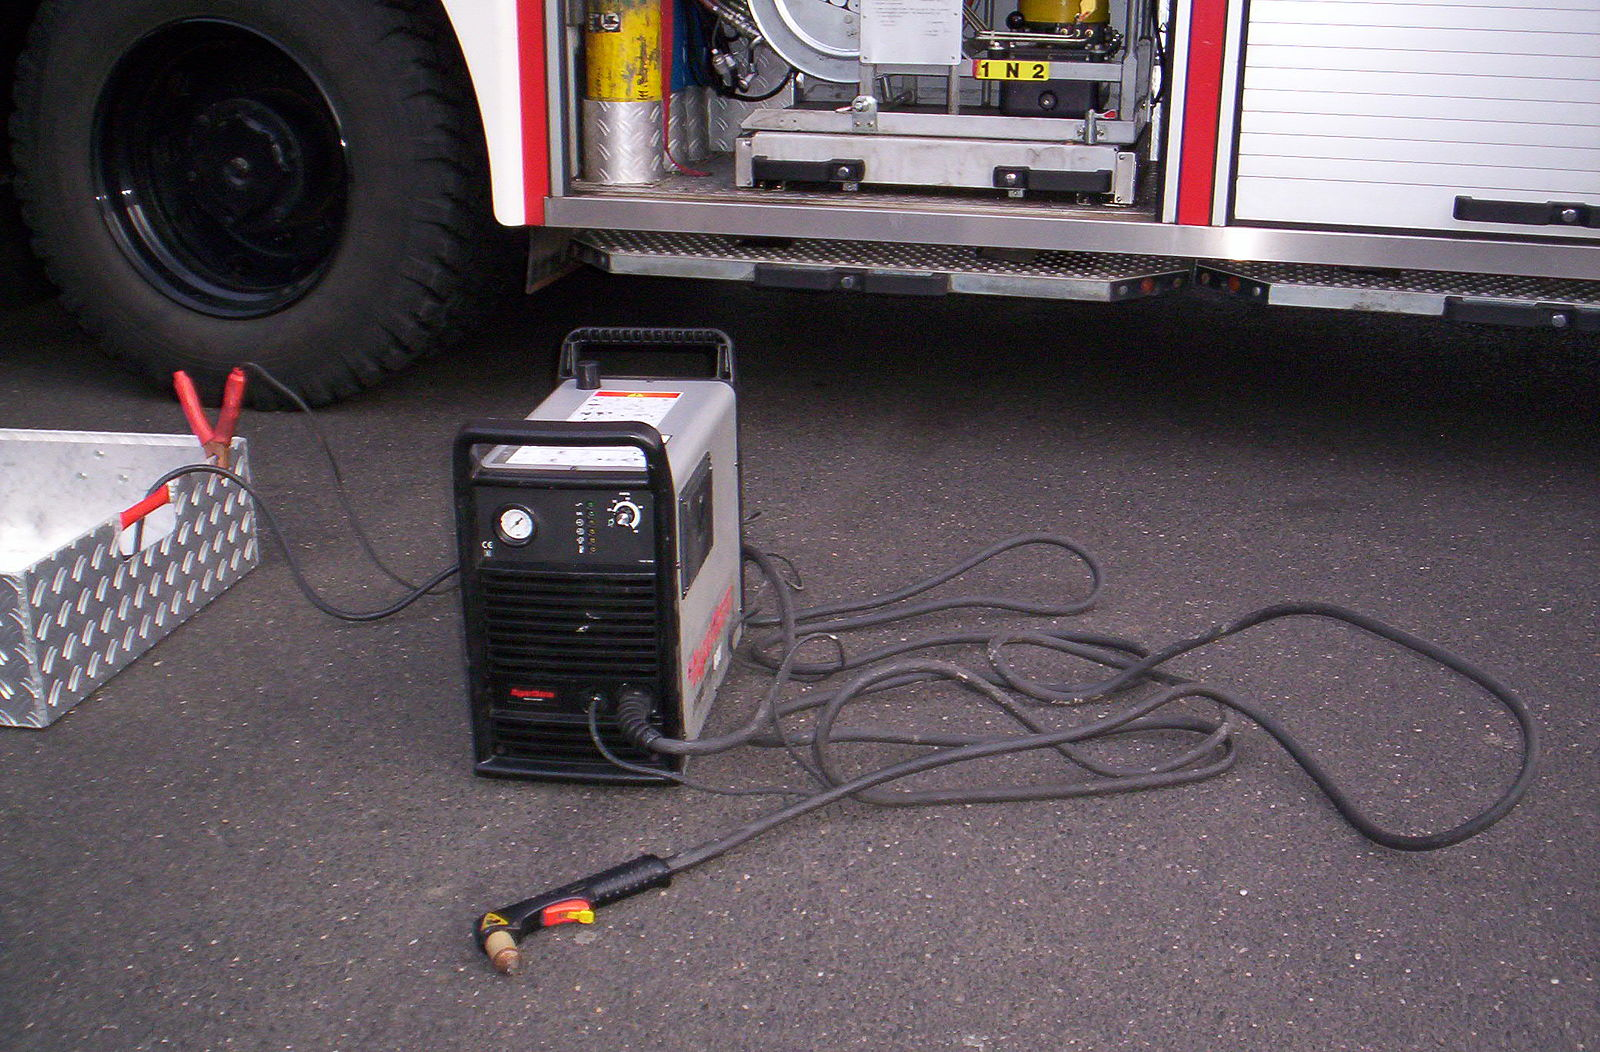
x: 1492, y: 299
x: 870, y: 266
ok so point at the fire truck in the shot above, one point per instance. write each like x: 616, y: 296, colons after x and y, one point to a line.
x: 331, y: 187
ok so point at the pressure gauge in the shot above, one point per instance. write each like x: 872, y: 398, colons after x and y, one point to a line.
x: 515, y: 525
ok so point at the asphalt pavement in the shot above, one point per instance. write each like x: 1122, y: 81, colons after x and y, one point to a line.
x: 265, y: 834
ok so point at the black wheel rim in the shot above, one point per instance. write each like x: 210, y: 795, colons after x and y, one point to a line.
x: 221, y: 168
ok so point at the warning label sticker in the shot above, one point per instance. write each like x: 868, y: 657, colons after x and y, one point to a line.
x: 649, y: 407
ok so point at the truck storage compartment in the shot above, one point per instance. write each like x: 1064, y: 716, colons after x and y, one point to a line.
x: 992, y: 103
x: 1479, y: 116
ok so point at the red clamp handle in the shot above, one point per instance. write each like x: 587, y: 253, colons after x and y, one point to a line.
x: 189, y: 398
x: 146, y: 506
x: 232, y: 400
x: 215, y: 438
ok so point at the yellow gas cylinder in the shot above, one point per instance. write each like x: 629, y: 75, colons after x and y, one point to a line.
x: 622, y: 50
x: 622, y: 114
x: 1064, y: 12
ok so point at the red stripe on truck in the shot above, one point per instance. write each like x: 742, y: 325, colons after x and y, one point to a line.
x: 535, y: 109
x: 1202, y: 102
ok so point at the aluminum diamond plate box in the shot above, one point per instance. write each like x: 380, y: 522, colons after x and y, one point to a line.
x: 77, y: 602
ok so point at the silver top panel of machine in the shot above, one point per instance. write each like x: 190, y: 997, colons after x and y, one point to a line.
x: 686, y: 412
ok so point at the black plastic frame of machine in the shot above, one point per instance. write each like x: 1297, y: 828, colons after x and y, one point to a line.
x: 529, y: 703
x: 578, y: 553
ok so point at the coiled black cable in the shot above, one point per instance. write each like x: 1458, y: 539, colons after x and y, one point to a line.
x: 1138, y: 685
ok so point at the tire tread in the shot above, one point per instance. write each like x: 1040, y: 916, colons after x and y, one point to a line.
x: 458, y: 261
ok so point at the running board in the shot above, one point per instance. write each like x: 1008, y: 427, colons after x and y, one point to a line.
x: 875, y: 266
x: 1548, y: 303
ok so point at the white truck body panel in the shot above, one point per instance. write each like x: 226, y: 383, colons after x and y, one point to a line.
x: 1376, y: 114
x: 488, y: 33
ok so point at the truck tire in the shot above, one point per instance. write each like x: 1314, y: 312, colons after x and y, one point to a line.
x: 300, y: 184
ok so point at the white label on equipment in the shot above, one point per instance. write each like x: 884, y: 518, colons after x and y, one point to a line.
x: 602, y: 457
x: 646, y: 407
x: 911, y: 32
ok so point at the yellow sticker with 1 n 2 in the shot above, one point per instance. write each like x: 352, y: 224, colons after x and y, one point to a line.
x: 1009, y: 69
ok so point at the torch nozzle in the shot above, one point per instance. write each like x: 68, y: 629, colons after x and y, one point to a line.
x: 503, y: 952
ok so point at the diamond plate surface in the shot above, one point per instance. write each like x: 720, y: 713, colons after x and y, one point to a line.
x: 622, y: 142
x: 76, y: 617
x: 686, y: 126
x: 724, y: 116
x: 1085, y: 266
x: 1425, y: 282
x: 20, y: 690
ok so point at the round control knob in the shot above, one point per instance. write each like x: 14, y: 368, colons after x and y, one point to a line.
x: 515, y: 525
x: 627, y: 515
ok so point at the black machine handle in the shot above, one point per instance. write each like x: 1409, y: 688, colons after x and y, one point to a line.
x: 557, y: 433
x: 672, y: 340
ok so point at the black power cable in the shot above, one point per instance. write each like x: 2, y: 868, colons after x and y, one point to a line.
x: 1141, y: 694
x: 300, y: 580
x: 308, y: 417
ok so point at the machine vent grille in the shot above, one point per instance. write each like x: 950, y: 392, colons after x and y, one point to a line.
x: 572, y: 624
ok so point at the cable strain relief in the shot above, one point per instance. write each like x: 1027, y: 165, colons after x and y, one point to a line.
x: 634, y: 706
